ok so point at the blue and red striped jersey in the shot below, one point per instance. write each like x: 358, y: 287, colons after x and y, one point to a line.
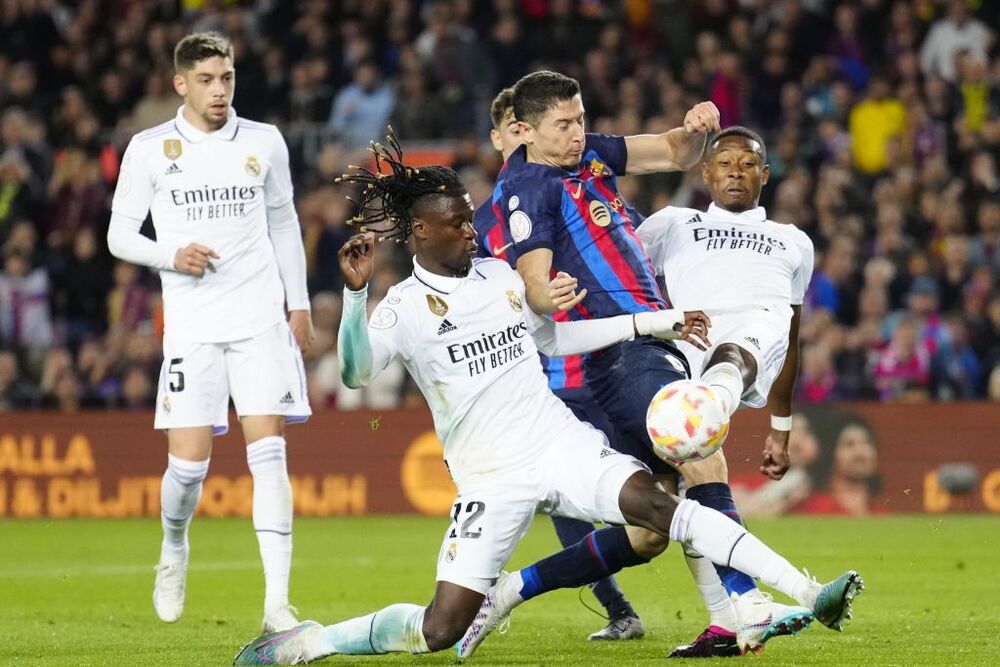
x: 582, y: 219
x: 597, y: 182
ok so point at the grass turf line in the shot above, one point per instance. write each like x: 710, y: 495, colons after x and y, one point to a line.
x: 79, y: 592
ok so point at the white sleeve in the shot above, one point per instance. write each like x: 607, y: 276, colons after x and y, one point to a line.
x: 653, y: 233
x: 278, y: 183
x: 563, y: 339
x: 365, y: 348
x: 134, y: 191
x: 286, y: 237
x: 125, y: 242
x: 803, y: 273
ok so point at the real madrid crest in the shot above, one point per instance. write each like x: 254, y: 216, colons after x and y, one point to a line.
x: 452, y: 550
x: 166, y: 403
x: 514, y: 300
x: 599, y: 214
x: 252, y: 166
x: 172, y: 148
x: 437, y: 305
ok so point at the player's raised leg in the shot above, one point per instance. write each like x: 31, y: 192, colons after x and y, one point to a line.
x: 188, y: 455
x: 708, y: 532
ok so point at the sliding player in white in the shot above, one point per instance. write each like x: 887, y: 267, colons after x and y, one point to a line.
x: 462, y: 329
x: 230, y: 256
x: 750, y: 276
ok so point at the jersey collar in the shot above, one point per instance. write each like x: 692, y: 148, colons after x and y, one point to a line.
x: 519, y: 158
x: 753, y: 215
x: 193, y: 135
x: 439, y: 283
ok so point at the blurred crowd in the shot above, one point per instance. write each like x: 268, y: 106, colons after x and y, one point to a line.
x: 882, y: 119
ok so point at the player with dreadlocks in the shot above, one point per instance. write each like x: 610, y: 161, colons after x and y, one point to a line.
x: 460, y: 327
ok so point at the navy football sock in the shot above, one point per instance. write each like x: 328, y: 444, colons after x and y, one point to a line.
x: 607, y: 592
x: 717, y: 496
x: 601, y: 553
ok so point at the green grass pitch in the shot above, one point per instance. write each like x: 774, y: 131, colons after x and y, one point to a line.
x: 78, y: 592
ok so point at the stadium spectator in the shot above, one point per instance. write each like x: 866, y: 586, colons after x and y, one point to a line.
x: 874, y: 121
x: 25, y: 321
x: 360, y: 111
x: 957, y: 31
x: 16, y: 392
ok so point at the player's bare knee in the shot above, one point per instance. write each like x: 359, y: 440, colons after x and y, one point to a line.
x: 256, y: 427
x: 645, y: 542
x: 734, y: 354
x: 711, y: 469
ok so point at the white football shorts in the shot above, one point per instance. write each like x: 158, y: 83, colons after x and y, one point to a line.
x: 263, y: 375
x: 763, y: 332
x: 578, y: 476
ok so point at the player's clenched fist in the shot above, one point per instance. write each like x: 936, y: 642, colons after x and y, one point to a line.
x: 702, y: 118
x: 355, y: 258
x: 194, y: 258
x: 562, y: 291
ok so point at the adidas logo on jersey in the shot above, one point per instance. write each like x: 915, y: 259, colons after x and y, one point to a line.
x: 753, y: 341
x: 172, y: 169
x: 696, y: 218
x: 446, y: 327
x: 287, y: 399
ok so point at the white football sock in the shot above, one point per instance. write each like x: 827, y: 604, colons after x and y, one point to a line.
x: 726, y: 380
x: 399, y: 628
x: 725, y: 542
x: 272, y: 515
x: 713, y: 593
x: 179, y: 494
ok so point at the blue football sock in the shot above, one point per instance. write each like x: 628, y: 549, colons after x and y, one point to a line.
x: 717, y: 496
x: 606, y: 590
x: 601, y: 553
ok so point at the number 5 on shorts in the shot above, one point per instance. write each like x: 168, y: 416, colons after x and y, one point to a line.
x: 179, y: 384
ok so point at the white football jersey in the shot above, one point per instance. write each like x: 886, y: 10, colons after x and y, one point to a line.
x: 213, y: 189
x: 467, y: 343
x: 715, y: 260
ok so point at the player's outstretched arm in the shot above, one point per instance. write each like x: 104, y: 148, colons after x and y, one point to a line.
x: 776, y: 463
x: 676, y: 150
x: 560, y: 339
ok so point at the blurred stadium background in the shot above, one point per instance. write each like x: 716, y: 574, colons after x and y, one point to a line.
x: 882, y: 119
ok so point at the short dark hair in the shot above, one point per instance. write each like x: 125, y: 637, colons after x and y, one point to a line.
x: 200, y: 46
x: 739, y: 131
x: 536, y: 93
x: 393, y: 189
x: 501, y: 103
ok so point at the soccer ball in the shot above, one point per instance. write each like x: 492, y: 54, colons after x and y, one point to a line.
x: 686, y: 422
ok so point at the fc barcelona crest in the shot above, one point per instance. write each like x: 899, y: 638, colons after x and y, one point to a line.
x: 172, y: 148
x: 596, y: 167
x: 252, y: 166
x: 437, y: 305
